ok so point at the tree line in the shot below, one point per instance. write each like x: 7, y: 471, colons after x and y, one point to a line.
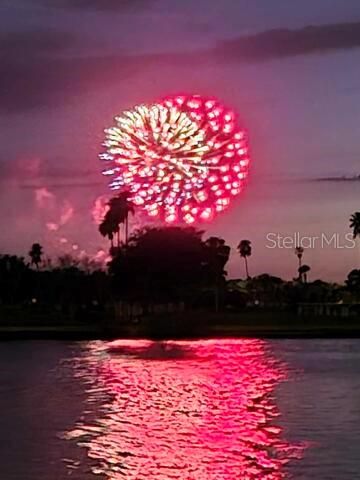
x: 156, y: 265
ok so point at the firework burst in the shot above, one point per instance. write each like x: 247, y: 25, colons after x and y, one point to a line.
x: 181, y: 159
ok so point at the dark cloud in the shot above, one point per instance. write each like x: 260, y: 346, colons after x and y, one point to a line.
x: 287, y: 43
x: 32, y: 83
x: 353, y: 178
x: 35, y: 42
x: 38, y: 76
x: 103, y: 5
x: 28, y: 66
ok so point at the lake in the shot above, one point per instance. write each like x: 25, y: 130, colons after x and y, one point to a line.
x: 206, y: 410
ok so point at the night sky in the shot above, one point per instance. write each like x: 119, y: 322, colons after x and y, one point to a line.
x: 68, y: 66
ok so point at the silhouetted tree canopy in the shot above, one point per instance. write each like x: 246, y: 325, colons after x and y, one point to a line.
x: 245, y: 251
x: 35, y: 254
x: 355, y: 224
x: 353, y: 282
x: 117, y: 214
x: 303, y: 271
x: 168, y: 263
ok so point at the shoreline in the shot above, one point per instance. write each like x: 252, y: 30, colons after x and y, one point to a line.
x: 192, y: 324
x: 75, y: 333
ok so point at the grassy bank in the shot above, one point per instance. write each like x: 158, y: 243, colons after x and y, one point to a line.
x: 266, y: 324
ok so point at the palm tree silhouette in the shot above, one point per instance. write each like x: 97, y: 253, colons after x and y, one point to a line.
x: 355, y: 224
x: 120, y: 207
x: 218, y: 255
x: 118, y: 214
x: 303, y: 271
x: 108, y: 228
x: 36, y: 254
x: 299, y: 251
x: 245, y: 251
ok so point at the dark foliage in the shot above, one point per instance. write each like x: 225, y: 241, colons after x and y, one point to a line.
x: 168, y: 264
x: 353, y: 282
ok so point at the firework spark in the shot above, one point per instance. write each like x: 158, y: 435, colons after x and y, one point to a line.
x: 181, y: 159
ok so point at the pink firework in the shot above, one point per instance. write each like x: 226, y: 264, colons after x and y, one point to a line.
x: 182, y: 159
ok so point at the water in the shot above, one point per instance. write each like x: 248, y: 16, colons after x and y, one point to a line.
x: 214, y: 410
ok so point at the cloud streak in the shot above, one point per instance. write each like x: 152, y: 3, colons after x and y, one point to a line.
x: 288, y: 43
x: 100, y: 5
x: 26, y: 82
x: 30, y: 84
x: 34, y: 173
x: 34, y: 42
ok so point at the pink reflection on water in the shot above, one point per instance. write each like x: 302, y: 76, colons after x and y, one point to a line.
x: 183, y: 410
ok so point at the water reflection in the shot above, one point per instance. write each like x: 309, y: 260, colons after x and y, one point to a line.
x: 183, y: 410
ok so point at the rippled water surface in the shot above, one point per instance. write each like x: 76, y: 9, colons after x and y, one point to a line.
x: 215, y: 409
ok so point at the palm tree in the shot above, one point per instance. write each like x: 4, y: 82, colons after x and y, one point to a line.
x: 217, y: 255
x: 355, y: 224
x: 36, y: 254
x: 118, y: 213
x: 299, y: 251
x: 245, y: 250
x: 120, y: 207
x: 107, y: 228
x: 303, y: 271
